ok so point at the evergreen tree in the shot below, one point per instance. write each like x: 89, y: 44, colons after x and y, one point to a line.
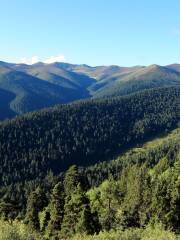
x: 88, y: 223
x: 36, y: 202
x: 77, y: 215
x: 135, y: 203
x: 71, y: 180
x: 56, y: 208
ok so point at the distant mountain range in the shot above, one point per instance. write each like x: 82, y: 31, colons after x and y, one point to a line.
x: 25, y: 88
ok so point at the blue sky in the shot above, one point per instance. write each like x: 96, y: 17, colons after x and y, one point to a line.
x: 95, y: 32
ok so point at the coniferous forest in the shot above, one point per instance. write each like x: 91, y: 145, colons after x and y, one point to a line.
x: 105, y: 168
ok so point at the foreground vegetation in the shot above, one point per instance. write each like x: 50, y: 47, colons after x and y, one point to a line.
x: 141, y: 202
x: 19, y: 231
x: 148, y: 233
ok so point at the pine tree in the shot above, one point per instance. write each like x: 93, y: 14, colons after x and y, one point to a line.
x: 36, y: 202
x: 88, y: 222
x: 56, y: 207
x: 71, y: 180
x: 77, y: 214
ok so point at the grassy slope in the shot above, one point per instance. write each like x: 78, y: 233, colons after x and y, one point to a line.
x: 54, y: 73
x: 21, y: 92
x: 41, y: 85
x: 150, y: 77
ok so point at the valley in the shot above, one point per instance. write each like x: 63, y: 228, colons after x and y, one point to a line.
x: 38, y: 86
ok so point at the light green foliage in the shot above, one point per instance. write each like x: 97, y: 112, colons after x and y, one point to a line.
x: 43, y: 219
x: 157, y: 233
x: 71, y: 180
x: 149, y: 233
x: 82, y: 133
x: 77, y: 215
x: 17, y: 231
x: 104, y: 200
x: 55, y: 211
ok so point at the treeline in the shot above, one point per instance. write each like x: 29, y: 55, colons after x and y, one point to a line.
x: 82, y: 133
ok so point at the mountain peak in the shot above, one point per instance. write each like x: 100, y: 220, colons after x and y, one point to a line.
x: 38, y: 64
x: 154, y: 67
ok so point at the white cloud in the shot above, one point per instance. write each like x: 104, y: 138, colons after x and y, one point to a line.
x: 58, y: 58
x: 35, y: 59
x: 32, y: 60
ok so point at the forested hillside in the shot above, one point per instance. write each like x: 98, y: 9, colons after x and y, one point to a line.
x: 135, y: 197
x: 83, y: 133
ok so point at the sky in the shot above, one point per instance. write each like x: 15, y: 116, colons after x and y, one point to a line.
x: 93, y: 32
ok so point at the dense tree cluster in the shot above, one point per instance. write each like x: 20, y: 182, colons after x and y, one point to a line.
x: 143, y: 192
x: 140, y: 196
x: 82, y: 133
x: 150, y: 154
x: 134, y: 200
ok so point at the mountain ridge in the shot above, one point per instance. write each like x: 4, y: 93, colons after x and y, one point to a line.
x: 42, y: 85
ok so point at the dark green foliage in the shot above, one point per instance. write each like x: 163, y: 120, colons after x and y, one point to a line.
x: 138, y: 188
x: 83, y: 133
x: 168, y: 148
x: 35, y: 203
x: 165, y: 148
x: 88, y: 223
x: 56, y: 209
x: 77, y: 215
x: 146, y: 191
x: 9, y: 209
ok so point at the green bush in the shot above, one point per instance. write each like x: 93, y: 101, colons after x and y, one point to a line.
x: 150, y: 233
x: 17, y: 231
